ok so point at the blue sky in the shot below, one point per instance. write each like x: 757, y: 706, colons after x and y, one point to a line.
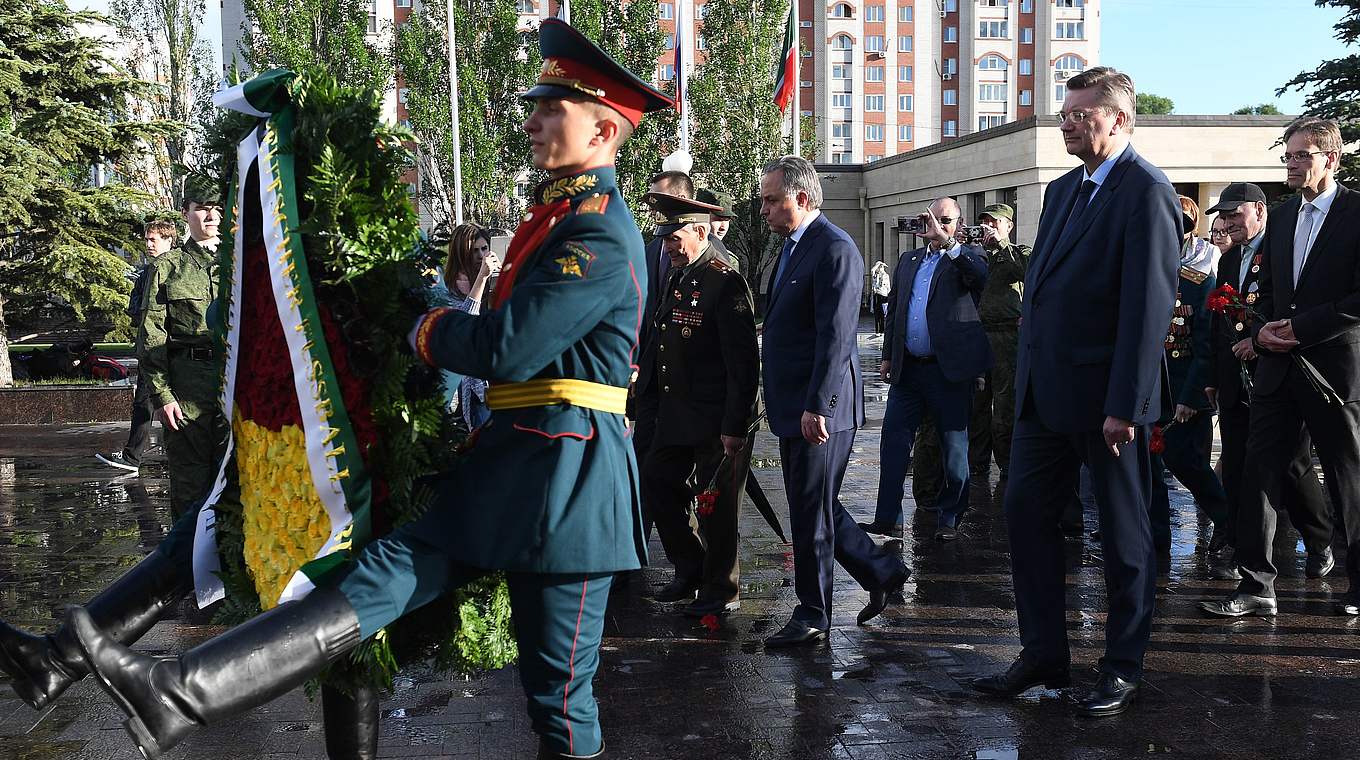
x: 1213, y: 56
x: 1208, y: 56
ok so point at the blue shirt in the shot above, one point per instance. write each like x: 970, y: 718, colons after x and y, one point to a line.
x: 918, y: 330
x: 1102, y: 173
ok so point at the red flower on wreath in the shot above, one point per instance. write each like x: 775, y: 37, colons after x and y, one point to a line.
x: 710, y: 622
x: 1156, y: 444
x: 707, y: 502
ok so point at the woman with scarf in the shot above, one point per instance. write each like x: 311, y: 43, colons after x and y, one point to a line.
x: 1186, y: 438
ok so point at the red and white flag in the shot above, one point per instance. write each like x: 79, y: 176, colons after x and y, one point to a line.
x: 786, y: 78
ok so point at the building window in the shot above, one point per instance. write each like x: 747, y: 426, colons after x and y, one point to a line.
x: 702, y: 11
x: 904, y: 133
x: 874, y: 43
x: 873, y: 74
x: 1026, y: 6
x: 987, y: 122
x: 904, y: 43
x: 995, y: 3
x: 1060, y: 92
x: 951, y: 6
x: 873, y: 158
x: 670, y: 42
x: 840, y: 100
x: 403, y: 3
x: 665, y: 10
x: 904, y: 102
x: 905, y: 14
x: 993, y: 29
x: 951, y: 34
x: 403, y: 94
x: 873, y: 13
x: 1026, y: 67
x: 1069, y: 3
x: 373, y: 17
x: 841, y: 42
x: 840, y: 130
x: 700, y: 42
x: 873, y: 133
x: 904, y: 73
x: 993, y: 63
x: 842, y: 10
x: 1027, y: 36
x: 1069, y: 64
x: 951, y: 128
x: 667, y: 72
x: 525, y: 7
x: 992, y: 93
x: 951, y: 97
x: 1026, y: 97
x: 873, y: 103
x: 841, y: 70
x: 951, y: 66
x: 1070, y: 30
x: 841, y: 158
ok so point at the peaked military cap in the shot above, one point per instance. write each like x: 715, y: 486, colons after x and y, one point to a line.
x: 573, y: 65
x: 201, y: 189
x: 676, y: 212
x: 718, y: 198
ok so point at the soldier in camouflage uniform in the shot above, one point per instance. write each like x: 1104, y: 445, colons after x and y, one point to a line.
x: 179, y: 361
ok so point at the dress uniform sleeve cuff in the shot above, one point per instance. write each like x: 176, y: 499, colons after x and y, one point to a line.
x: 425, y: 331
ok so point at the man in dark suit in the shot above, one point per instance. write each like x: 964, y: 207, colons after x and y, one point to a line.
x: 1242, y: 208
x: 1090, y: 380
x: 934, y: 349
x: 813, y: 397
x: 704, y: 364
x: 1308, y: 370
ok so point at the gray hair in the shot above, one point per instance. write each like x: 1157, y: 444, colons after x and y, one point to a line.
x: 1114, y: 88
x: 799, y: 176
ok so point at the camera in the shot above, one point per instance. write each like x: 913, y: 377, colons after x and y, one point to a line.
x: 911, y: 225
x: 973, y: 235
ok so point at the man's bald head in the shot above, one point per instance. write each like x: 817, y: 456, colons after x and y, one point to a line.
x: 946, y: 207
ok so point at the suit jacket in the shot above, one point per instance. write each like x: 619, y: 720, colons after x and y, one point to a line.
x: 1225, y: 371
x: 703, y: 364
x: 1325, y: 306
x: 956, y: 333
x: 810, y: 361
x: 1098, y: 298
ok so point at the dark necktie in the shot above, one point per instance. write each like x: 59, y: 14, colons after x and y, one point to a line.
x: 784, y: 256
x: 1079, y: 205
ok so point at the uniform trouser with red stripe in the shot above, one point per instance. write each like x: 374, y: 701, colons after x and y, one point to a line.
x: 558, y: 618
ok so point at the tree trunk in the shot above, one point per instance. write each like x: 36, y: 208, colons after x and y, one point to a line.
x: 6, y: 371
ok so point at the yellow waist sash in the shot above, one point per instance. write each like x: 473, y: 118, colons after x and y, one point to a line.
x: 605, y: 398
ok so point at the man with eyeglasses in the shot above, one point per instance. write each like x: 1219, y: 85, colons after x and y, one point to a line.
x: 1308, y: 366
x: 1241, y: 210
x: 1089, y: 376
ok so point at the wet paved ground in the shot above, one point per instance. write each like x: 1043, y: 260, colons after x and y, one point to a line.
x: 669, y: 688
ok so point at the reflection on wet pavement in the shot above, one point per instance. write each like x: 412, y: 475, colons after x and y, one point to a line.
x: 669, y: 688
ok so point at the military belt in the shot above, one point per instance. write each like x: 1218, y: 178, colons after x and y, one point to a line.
x: 194, y: 353
x: 543, y: 392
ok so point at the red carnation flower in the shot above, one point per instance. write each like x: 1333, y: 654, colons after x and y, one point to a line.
x: 1156, y: 444
x: 707, y: 502
x: 710, y: 622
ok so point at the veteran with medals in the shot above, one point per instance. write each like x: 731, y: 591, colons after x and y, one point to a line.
x: 703, y: 366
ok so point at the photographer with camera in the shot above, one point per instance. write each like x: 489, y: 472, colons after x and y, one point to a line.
x: 934, y: 348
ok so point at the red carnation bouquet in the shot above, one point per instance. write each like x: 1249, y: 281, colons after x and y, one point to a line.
x: 1227, y: 301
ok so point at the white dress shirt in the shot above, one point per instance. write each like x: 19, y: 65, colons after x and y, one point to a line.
x: 1321, y: 205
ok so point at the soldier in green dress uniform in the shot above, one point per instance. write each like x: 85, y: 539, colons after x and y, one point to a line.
x: 549, y: 492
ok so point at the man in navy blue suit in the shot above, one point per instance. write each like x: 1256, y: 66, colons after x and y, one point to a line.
x: 1090, y: 380
x: 934, y: 349
x: 813, y: 398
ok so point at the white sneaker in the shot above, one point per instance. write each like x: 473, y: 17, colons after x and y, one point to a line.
x: 116, y: 460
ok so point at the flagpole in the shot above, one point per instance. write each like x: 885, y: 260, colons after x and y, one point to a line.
x: 683, y: 50
x: 453, y: 117
x: 797, y: 79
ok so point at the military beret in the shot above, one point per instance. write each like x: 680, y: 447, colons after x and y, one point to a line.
x: 717, y: 198
x: 999, y: 211
x: 677, y: 212
x: 573, y: 65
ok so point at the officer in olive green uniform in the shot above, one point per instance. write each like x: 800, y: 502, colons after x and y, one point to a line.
x: 548, y: 495
x: 704, y: 368
x: 179, y: 361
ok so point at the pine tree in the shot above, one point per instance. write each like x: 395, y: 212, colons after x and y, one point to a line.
x: 63, y: 111
x: 1334, y: 86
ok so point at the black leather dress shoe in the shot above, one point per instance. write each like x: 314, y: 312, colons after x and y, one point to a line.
x: 1225, y: 573
x: 795, y: 633
x: 1349, y: 604
x: 1238, y: 605
x: 878, y: 599
x: 1218, y: 541
x: 1020, y: 677
x: 1319, y: 563
x: 678, y: 590
x: 1112, y: 695
x: 702, y: 607
x: 882, y: 529
x: 946, y: 533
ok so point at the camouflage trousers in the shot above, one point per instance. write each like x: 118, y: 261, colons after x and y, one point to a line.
x: 194, y: 452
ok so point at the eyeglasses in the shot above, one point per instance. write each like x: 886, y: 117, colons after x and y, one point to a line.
x: 945, y: 221
x: 1302, y: 157
x: 1076, y: 117
x: 1217, y: 233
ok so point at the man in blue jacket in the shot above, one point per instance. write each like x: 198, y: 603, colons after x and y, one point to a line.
x: 814, y: 399
x: 1090, y: 381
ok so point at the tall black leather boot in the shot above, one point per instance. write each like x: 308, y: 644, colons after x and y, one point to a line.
x: 249, y: 665
x: 351, y: 722
x: 41, y: 667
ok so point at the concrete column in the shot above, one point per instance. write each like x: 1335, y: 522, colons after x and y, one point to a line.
x: 1030, y: 200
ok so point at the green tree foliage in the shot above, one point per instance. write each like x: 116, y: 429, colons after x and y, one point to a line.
x: 1154, y: 104
x: 628, y: 31
x: 330, y: 34
x: 1334, y: 86
x: 738, y: 127
x: 164, y: 44
x: 1264, y: 109
x: 492, y: 71
x: 63, y: 111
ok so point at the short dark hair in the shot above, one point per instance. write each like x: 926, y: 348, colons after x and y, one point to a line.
x: 1116, y: 89
x: 1324, y: 133
x: 675, y: 183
